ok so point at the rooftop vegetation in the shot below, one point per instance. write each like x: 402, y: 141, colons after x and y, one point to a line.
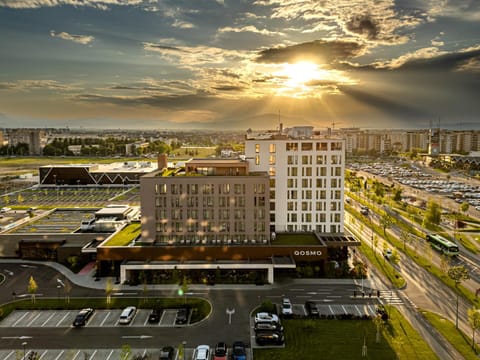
x: 126, y: 235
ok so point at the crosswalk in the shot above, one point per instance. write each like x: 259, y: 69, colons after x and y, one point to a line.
x: 390, y: 297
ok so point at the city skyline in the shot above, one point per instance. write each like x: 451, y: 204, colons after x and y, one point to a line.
x: 239, y: 64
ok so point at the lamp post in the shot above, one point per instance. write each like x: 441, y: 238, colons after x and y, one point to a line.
x: 24, y: 344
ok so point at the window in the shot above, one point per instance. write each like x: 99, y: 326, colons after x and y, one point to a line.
x: 322, y: 195
x: 305, y: 206
x: 308, y: 194
x: 259, y: 201
x: 292, y: 146
x: 272, y: 148
x: 257, y: 148
x: 271, y: 172
x: 225, y: 189
x: 305, y: 182
x: 208, y: 189
x: 306, y: 160
x: 257, y: 159
x: 175, y: 202
x: 333, y: 182
x: 237, y: 188
x: 177, y: 214
x: 320, y: 159
x: 223, y: 201
x: 307, y: 171
x: 259, y: 188
x: 293, y: 194
x: 208, y: 201
x: 293, y: 217
x: 192, y: 189
x: 207, y: 214
x: 322, y: 146
x: 292, y: 171
x: 307, y: 146
x: 272, y: 183
x: 308, y: 217
x: 161, y: 188
x: 290, y: 205
x: 291, y: 183
x: 192, y: 214
x: 336, y: 159
x: 224, y: 214
x: 337, y: 171
x: 271, y: 160
x: 192, y: 201
x: 292, y: 160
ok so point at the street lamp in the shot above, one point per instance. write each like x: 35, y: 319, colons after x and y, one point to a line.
x: 24, y: 344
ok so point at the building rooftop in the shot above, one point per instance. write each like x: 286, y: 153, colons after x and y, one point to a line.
x: 120, y: 167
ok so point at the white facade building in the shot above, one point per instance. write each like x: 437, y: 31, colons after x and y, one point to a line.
x: 307, y: 181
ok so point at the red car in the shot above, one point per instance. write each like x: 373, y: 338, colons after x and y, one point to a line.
x: 220, y: 351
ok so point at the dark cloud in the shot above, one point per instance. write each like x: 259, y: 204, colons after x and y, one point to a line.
x: 229, y: 88
x: 318, y: 50
x: 363, y: 25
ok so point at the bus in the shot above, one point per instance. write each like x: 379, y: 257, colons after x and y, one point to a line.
x: 441, y: 244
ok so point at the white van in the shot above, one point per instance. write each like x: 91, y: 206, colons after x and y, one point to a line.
x: 127, y: 315
x: 87, y: 225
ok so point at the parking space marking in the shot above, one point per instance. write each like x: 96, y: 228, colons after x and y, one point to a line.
x: 59, y: 355
x: 344, y: 310
x: 20, y: 319
x: 105, y: 319
x: 61, y: 320
x: 78, y: 352
x: 35, y: 318
x: 10, y: 354
x: 110, y: 355
x: 161, y: 317
x: 43, y: 354
x: 93, y: 355
x: 47, y: 320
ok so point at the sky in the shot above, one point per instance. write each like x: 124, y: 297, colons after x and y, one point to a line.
x: 239, y: 64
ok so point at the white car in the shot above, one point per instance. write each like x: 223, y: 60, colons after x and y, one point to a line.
x: 127, y: 315
x: 388, y: 254
x: 287, y: 307
x: 202, y: 352
x: 266, y: 317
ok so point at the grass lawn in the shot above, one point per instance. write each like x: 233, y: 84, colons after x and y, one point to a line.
x: 343, y: 339
x: 458, y: 339
x: 126, y: 235
x: 296, y: 239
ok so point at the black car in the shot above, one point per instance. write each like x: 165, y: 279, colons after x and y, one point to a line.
x: 311, y: 308
x: 166, y: 353
x: 154, y: 316
x: 269, y: 338
x: 271, y: 326
x: 182, y: 316
x: 82, y: 317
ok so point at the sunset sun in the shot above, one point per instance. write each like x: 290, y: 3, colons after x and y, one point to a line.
x: 299, y: 73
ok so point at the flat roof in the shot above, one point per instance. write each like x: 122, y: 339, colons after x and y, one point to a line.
x: 122, y: 167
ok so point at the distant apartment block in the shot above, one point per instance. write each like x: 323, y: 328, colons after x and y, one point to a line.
x: 35, y: 138
x: 306, y: 179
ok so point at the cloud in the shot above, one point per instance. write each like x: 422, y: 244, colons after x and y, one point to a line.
x: 81, y: 39
x: 320, y: 50
x: 378, y: 22
x: 182, y: 24
x: 98, y: 4
x: 26, y: 85
x: 249, y: 28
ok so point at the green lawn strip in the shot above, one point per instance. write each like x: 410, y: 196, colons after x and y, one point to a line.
x: 420, y: 260
x: 126, y: 235
x: 379, y: 261
x: 311, y: 339
x: 200, y: 307
x: 460, y: 341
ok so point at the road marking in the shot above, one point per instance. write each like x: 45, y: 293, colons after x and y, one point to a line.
x: 106, y: 317
x: 46, y: 321
x: 61, y: 353
x: 78, y: 352
x: 136, y: 337
x: 161, y: 317
x: 334, y: 296
x: 61, y: 320
x: 21, y: 318
x: 43, y: 354
x: 93, y: 355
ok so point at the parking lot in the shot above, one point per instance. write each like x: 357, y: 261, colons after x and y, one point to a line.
x: 336, y: 309
x: 100, y: 318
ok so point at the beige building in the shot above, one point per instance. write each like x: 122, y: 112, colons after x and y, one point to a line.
x: 210, y: 202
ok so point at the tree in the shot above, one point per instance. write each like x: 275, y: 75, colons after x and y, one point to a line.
x: 474, y: 321
x: 433, y: 214
x: 32, y: 288
x: 397, y: 194
x: 464, y: 207
x: 126, y: 352
x: 386, y: 221
x: 405, y: 236
x: 458, y: 274
x: 378, y: 321
x: 109, y: 290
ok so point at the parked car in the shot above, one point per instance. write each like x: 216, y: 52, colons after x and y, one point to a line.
x: 182, y: 316
x: 166, y: 353
x: 127, y: 315
x: 364, y: 210
x: 5, y: 209
x: 311, y: 308
x: 82, y: 317
x: 287, y: 307
x: 269, y: 338
x: 388, y: 254
x: 220, y: 352
x: 154, y: 316
x: 266, y: 317
x: 239, y: 351
x: 268, y: 326
x: 202, y: 352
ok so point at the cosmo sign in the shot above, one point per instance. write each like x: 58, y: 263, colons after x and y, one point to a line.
x: 300, y: 253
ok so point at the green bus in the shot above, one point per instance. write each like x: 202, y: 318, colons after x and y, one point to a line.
x: 444, y: 245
